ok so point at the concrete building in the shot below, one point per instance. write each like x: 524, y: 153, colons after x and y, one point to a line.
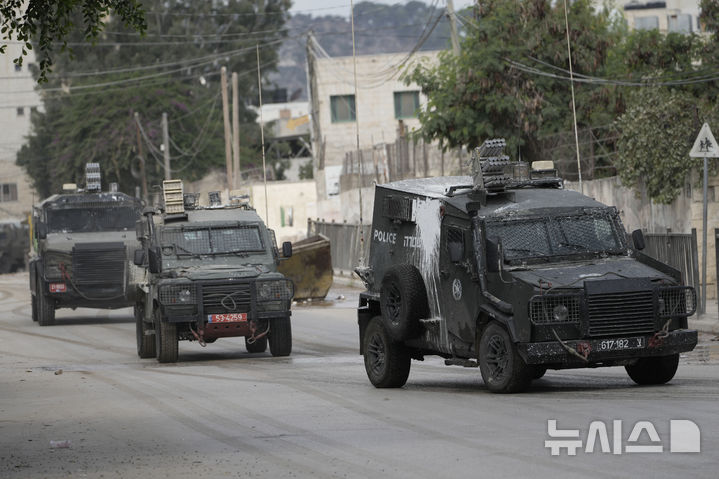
x: 680, y: 16
x: 383, y: 105
x: 18, y: 100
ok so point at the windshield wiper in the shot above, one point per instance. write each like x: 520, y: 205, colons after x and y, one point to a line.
x: 574, y: 246
x: 191, y: 253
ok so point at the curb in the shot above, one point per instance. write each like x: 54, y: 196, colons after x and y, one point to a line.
x: 705, y: 324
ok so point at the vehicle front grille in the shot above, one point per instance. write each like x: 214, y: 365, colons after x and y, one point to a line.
x: 226, y: 298
x: 621, y: 313
x: 99, y: 263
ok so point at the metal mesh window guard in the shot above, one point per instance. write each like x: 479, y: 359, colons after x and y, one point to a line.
x: 212, y: 241
x: 557, y: 236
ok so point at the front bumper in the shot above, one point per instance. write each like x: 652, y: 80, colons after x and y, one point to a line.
x: 554, y: 354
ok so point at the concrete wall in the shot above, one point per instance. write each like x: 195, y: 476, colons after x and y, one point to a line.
x: 295, y: 200
x: 17, y: 99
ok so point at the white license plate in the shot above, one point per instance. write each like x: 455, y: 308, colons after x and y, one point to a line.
x: 622, y: 343
x: 227, y: 318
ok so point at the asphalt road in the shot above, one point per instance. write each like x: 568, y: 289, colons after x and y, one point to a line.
x: 76, y: 401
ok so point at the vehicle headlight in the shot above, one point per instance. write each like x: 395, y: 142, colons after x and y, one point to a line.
x: 177, y: 294
x: 55, y: 264
x: 560, y: 313
x: 281, y: 289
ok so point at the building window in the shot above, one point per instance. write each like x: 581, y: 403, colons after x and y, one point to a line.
x: 8, y: 192
x: 680, y: 23
x: 406, y: 104
x: 18, y: 67
x: 646, y: 23
x: 20, y: 111
x: 343, y: 108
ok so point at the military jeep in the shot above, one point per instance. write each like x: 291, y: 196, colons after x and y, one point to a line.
x: 81, y: 252
x: 212, y: 273
x: 510, y: 272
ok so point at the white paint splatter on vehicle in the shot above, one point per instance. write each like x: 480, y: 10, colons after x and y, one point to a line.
x: 429, y: 227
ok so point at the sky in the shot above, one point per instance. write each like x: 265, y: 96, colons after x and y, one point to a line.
x: 342, y: 7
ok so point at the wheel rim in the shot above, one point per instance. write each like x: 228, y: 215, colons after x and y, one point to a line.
x: 497, y: 357
x: 394, y: 303
x: 375, y: 353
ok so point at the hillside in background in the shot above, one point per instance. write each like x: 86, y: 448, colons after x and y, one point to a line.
x: 378, y: 29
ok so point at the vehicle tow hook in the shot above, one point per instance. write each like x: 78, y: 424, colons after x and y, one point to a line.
x: 198, y: 338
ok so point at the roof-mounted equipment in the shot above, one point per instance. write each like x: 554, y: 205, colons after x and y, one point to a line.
x: 92, y: 178
x: 172, y: 192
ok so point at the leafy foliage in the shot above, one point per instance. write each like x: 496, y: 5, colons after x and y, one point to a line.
x: 658, y: 130
x: 480, y: 95
x: 90, y: 100
x: 46, y: 22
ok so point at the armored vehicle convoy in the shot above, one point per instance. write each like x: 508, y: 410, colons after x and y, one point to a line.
x: 509, y: 272
x: 81, y: 252
x: 212, y: 274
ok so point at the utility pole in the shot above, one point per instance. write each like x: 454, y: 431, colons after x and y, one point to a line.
x: 166, y: 146
x: 453, y: 26
x: 141, y: 155
x: 235, y: 132
x: 226, y: 117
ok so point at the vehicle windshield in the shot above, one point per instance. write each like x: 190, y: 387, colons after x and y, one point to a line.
x: 91, y: 220
x: 184, y: 241
x: 550, y: 236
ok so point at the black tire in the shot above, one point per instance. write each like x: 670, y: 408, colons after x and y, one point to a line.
x: 657, y: 370
x: 166, y: 342
x: 403, y: 301
x: 386, y: 361
x: 503, y: 370
x: 45, y: 309
x: 146, y: 347
x: 280, y: 337
x: 259, y: 346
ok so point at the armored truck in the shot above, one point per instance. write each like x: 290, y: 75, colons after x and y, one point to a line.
x: 510, y: 272
x: 212, y: 273
x: 82, y: 247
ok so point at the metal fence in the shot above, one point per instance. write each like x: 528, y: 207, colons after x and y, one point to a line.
x: 347, y: 245
x: 675, y: 249
x: 680, y: 251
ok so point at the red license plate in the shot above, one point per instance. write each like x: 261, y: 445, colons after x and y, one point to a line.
x: 58, y: 288
x: 227, y: 318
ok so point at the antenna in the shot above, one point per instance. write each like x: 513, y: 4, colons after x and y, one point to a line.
x: 574, y: 106
x: 359, y: 156
x: 262, y: 134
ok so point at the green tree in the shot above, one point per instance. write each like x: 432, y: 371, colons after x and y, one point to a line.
x: 487, y: 92
x: 658, y: 130
x: 90, y: 100
x: 47, y: 22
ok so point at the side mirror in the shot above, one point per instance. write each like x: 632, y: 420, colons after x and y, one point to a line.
x: 456, y: 251
x: 493, y: 255
x: 41, y: 229
x: 638, y: 240
x: 139, y: 258
x: 286, y: 249
x: 154, y: 260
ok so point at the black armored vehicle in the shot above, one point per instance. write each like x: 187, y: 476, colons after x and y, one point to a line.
x: 212, y: 273
x: 82, y: 247
x: 509, y: 272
